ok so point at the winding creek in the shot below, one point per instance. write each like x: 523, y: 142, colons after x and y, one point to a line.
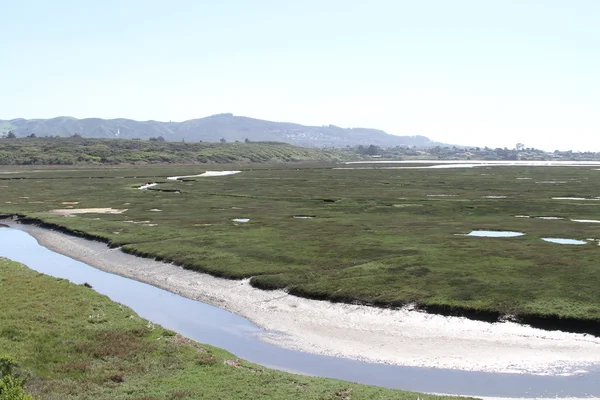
x: 212, y: 325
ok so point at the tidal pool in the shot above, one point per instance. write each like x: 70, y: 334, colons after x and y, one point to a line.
x: 564, y: 241
x: 481, y: 233
x: 205, y: 174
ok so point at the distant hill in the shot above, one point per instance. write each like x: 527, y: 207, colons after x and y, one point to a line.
x: 212, y: 129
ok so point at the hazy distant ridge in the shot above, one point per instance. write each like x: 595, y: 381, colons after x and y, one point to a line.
x: 212, y: 129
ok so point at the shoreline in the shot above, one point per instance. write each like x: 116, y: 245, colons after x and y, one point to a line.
x: 400, y: 337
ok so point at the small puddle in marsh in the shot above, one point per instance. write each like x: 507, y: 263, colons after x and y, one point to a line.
x: 482, y: 233
x: 205, y: 174
x: 564, y: 241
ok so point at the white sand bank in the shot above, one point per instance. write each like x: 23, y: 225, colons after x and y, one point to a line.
x: 73, y: 211
x: 148, y: 185
x: 402, y: 337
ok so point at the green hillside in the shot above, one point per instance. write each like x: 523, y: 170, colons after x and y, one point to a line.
x: 71, y: 151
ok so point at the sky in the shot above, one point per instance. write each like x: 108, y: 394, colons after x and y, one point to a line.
x: 469, y: 72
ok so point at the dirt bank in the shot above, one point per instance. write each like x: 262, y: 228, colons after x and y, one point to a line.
x: 401, y: 337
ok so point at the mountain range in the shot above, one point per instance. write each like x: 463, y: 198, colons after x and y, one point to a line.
x: 212, y: 129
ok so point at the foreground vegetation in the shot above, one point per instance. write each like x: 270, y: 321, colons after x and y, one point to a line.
x: 72, y: 151
x: 379, y: 236
x: 73, y: 343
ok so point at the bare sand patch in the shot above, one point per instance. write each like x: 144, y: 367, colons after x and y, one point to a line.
x: 72, y: 211
x: 401, y: 337
x: 69, y: 203
x: 147, y: 185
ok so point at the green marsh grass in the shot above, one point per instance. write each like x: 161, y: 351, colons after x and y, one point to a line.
x: 377, y: 238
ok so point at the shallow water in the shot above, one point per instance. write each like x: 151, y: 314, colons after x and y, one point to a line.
x: 564, y: 241
x: 486, y: 163
x: 212, y: 325
x: 495, y: 233
x: 205, y: 174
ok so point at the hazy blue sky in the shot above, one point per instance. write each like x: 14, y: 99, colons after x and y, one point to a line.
x: 479, y: 72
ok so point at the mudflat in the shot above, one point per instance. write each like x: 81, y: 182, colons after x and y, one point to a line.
x: 403, y: 337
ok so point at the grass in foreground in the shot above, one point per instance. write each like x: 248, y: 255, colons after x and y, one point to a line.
x: 77, y: 344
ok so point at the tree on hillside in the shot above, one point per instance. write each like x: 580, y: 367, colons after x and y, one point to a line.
x: 11, y: 135
x: 370, y: 151
x: 373, y: 150
x: 32, y: 136
x: 520, y: 147
x: 223, y: 140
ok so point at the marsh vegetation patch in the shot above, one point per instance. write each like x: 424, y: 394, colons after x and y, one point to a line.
x: 366, y: 219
